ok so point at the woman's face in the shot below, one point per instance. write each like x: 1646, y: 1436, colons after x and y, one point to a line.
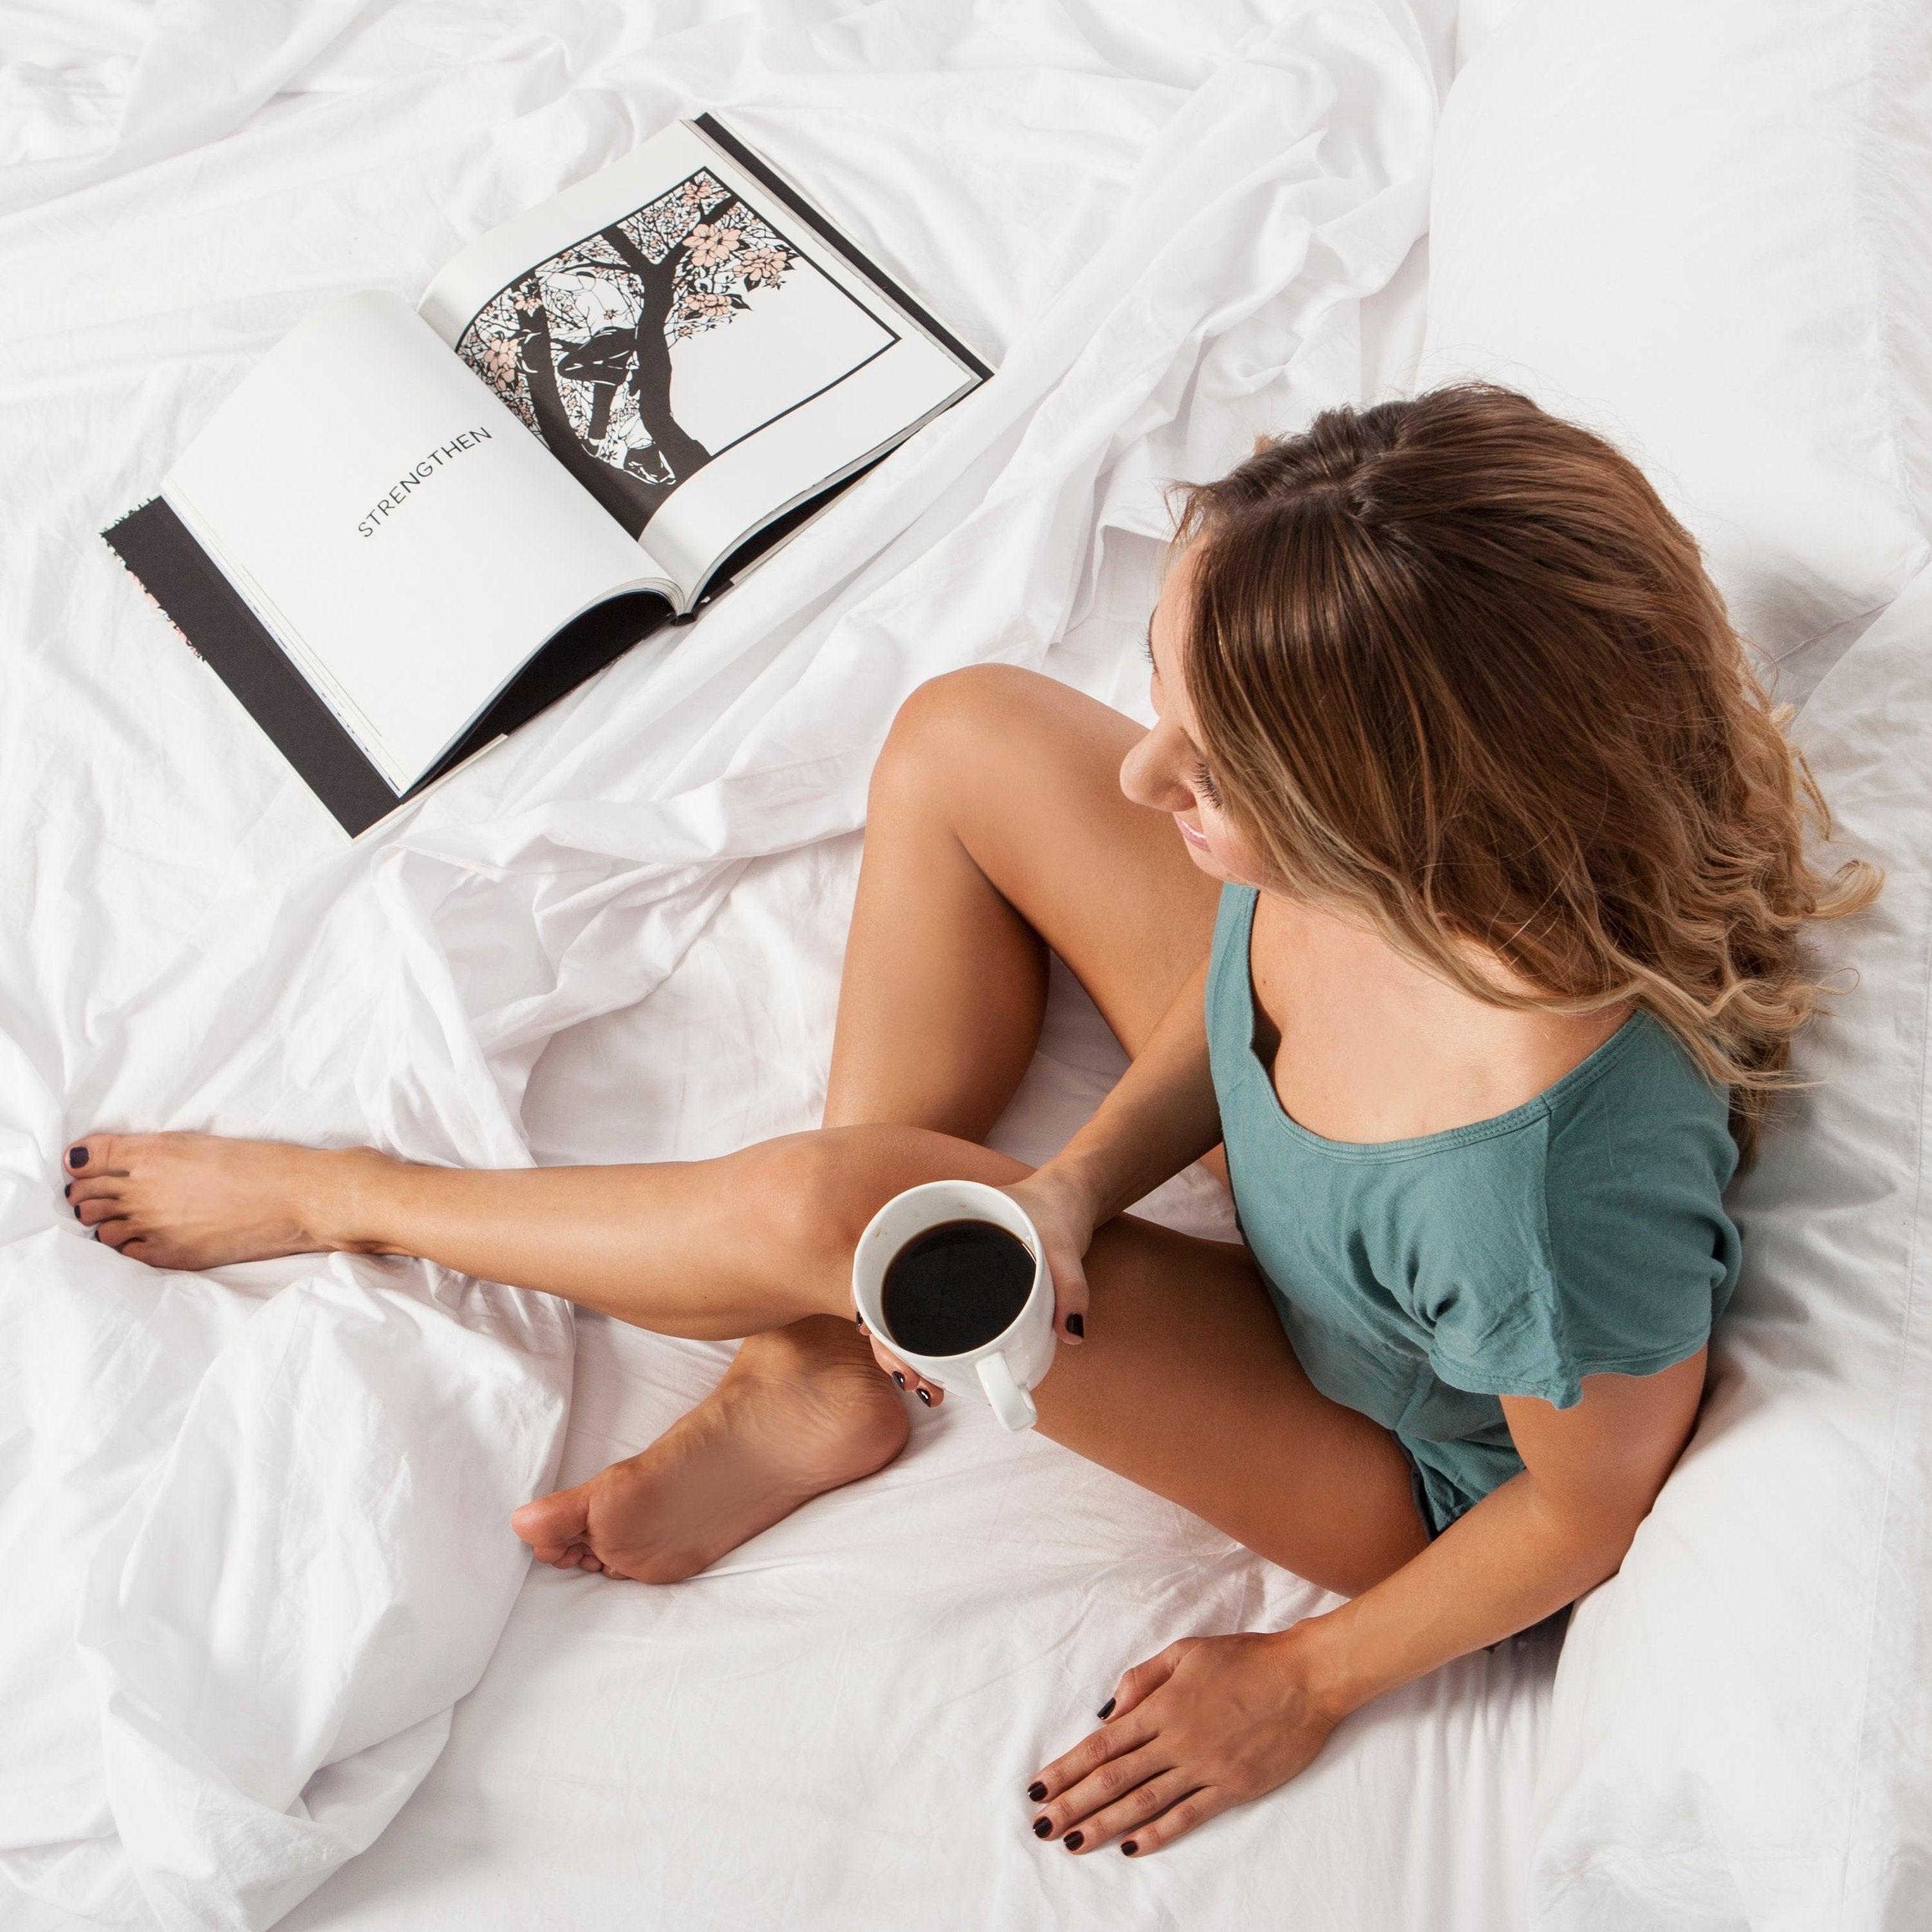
x: 1165, y: 771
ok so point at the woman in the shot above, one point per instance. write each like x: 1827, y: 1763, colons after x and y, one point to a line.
x: 1464, y: 909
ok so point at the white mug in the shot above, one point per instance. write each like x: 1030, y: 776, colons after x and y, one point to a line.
x: 1003, y: 1370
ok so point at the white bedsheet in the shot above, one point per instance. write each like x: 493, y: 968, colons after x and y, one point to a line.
x: 260, y: 1518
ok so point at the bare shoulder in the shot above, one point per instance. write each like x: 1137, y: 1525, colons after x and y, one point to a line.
x: 1368, y: 1045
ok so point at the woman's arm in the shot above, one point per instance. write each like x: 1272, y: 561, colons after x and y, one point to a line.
x: 1590, y: 1476
x: 1212, y: 1722
x: 1160, y: 1118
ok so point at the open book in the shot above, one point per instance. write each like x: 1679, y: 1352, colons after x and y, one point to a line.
x: 393, y: 554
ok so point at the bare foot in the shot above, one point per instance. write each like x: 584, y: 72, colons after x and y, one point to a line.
x: 196, y: 1200
x: 802, y: 1410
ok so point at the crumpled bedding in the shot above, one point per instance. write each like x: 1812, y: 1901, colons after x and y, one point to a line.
x: 254, y: 1523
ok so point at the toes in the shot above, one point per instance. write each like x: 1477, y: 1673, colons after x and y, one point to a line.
x: 558, y: 1522
x: 97, y: 1208
x: 565, y: 1556
x: 91, y: 1155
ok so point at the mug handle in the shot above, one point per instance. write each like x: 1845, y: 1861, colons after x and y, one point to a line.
x: 1011, y: 1403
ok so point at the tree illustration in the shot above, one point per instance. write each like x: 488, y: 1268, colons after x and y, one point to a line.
x: 580, y: 345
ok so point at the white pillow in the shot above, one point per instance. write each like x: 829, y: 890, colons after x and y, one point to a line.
x: 1704, y: 227
x: 1741, y: 1733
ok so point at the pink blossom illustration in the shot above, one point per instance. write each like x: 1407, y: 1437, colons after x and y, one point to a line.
x: 762, y: 267
x: 706, y: 246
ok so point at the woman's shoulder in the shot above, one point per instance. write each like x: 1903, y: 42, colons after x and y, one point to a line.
x: 1640, y: 1090
x: 1637, y: 1162
x: 1623, y: 1179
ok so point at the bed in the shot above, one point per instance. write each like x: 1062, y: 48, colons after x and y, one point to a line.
x: 268, y: 1656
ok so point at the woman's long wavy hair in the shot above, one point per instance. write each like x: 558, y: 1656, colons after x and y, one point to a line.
x: 1457, y: 669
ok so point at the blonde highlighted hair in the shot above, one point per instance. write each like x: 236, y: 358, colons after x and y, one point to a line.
x: 1456, y: 668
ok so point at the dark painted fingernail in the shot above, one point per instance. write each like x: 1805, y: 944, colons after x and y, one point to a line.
x: 1036, y: 1792
x: 1105, y: 1711
x: 1076, y: 1325
x: 76, y: 1156
x: 899, y: 1379
x: 925, y: 1398
x: 859, y: 1321
x: 1074, y: 1840
x: 1130, y: 1848
x: 1043, y: 1828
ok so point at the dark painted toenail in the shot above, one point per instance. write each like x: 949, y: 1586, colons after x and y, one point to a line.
x: 67, y: 1191
x: 899, y: 1379
x: 77, y: 1213
x: 1130, y: 1847
x: 1074, y: 1840
x: 1036, y: 1792
x: 925, y: 1398
x: 1076, y: 1325
x: 76, y: 1156
x: 1043, y: 1828
x: 1105, y: 1711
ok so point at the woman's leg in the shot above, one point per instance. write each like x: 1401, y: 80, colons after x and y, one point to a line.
x: 961, y: 878
x: 996, y: 832
x: 1179, y: 1332
x: 997, y: 828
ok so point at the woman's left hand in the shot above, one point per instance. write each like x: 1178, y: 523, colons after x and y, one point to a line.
x: 1209, y: 1722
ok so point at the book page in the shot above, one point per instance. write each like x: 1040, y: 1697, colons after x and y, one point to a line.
x: 691, y: 351
x: 394, y: 527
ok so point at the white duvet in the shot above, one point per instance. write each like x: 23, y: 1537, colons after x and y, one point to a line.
x: 253, y: 1527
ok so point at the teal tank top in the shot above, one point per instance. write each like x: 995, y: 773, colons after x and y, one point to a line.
x: 1581, y: 1234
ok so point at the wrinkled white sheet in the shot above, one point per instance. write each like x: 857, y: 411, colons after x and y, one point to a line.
x: 262, y: 1516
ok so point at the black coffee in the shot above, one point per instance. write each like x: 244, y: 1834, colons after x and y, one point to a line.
x: 955, y: 1287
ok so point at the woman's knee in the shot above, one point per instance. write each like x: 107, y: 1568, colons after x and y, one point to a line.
x: 810, y: 1194
x: 952, y: 729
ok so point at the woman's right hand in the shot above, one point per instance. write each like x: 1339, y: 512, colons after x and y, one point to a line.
x: 1063, y: 1210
